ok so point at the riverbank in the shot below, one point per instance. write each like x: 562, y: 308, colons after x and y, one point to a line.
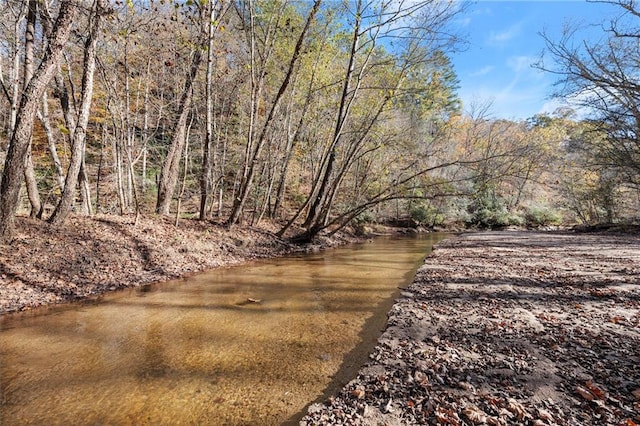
x: 507, y: 328
x: 89, y: 256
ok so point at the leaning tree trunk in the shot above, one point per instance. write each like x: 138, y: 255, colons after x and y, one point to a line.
x: 171, y: 165
x: 80, y: 132
x: 343, y: 111
x: 13, y: 173
x: 247, y: 182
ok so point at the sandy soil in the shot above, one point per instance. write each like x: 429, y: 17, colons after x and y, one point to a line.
x: 507, y: 328
x: 89, y: 256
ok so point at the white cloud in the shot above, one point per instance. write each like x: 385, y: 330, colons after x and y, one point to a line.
x: 578, y: 102
x: 551, y: 106
x: 482, y: 71
x: 521, y: 63
x: 515, y: 88
x: 506, y: 35
x: 463, y: 22
x: 511, y: 100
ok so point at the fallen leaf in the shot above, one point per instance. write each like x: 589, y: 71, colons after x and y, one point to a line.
x: 503, y: 412
x: 516, y: 408
x: 421, y: 378
x: 545, y: 415
x: 636, y: 393
x: 475, y: 415
x: 467, y: 386
x: 447, y: 416
x: 595, y: 390
x: 584, y: 393
x: 358, y: 392
x: 492, y: 421
x: 389, y: 407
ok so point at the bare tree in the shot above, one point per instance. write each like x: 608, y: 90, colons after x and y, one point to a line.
x: 171, y: 165
x: 256, y: 150
x: 215, y: 11
x: 100, y: 10
x: 602, y: 79
x: 12, y: 175
x: 416, y: 27
x: 29, y: 44
x: 205, y: 177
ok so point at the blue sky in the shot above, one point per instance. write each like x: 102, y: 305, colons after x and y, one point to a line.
x: 504, y: 41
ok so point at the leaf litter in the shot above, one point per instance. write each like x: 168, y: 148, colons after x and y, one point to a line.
x: 89, y: 256
x: 507, y: 328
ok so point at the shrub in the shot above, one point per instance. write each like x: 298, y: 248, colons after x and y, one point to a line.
x: 542, y: 216
x: 426, y: 214
x: 364, y: 217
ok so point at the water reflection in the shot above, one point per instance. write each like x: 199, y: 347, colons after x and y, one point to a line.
x: 251, y: 344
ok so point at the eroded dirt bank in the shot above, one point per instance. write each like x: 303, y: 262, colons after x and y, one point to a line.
x: 507, y: 328
x: 89, y: 256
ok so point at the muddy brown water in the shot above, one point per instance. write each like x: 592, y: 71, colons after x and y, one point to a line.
x: 252, y: 344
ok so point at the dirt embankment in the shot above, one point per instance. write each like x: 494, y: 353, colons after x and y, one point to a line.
x: 507, y: 328
x: 89, y: 256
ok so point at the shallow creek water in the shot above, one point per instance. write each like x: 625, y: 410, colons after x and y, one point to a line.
x: 251, y: 344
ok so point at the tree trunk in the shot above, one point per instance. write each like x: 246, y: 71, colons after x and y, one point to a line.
x: 185, y: 172
x: 100, y: 163
x: 19, y: 144
x: 14, y: 76
x: 205, y: 177
x: 171, y: 165
x: 292, y: 140
x: 343, y: 111
x: 145, y: 131
x: 248, y: 181
x: 43, y: 116
x: 29, y: 172
x: 85, y: 189
x: 118, y: 162
x: 314, y: 210
x: 32, y: 186
x: 80, y: 132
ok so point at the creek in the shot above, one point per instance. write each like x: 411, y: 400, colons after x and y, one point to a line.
x: 251, y: 344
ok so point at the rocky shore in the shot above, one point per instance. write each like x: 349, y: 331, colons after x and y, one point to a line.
x: 89, y: 256
x: 507, y: 328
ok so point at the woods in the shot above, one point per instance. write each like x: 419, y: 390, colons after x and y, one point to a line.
x: 147, y: 141
x: 312, y: 115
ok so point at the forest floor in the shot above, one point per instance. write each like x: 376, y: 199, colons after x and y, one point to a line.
x: 86, y: 257
x: 507, y: 328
